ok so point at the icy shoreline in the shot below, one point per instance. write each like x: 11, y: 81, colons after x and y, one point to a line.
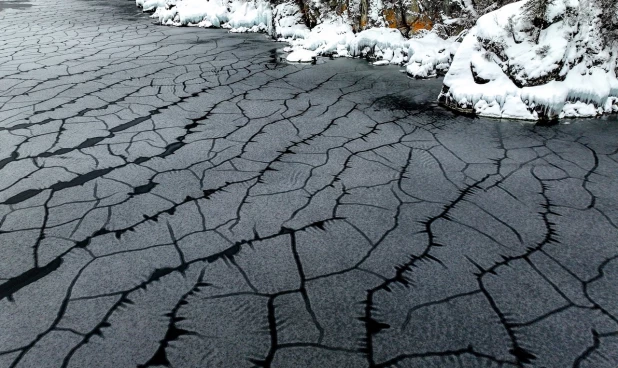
x: 424, y: 56
x: 500, y: 69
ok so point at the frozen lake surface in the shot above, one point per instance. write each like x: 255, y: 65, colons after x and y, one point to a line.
x: 179, y: 197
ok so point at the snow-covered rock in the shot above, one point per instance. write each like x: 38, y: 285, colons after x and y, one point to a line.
x: 430, y: 55
x: 508, y: 67
x: 301, y: 56
x: 238, y: 15
x: 151, y: 5
x: 288, y: 22
x: 385, y: 45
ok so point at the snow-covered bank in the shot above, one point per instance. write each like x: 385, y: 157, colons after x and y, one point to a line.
x: 425, y: 54
x: 508, y: 67
x: 237, y: 15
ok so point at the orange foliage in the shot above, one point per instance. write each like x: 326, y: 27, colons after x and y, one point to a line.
x: 390, y: 17
x: 423, y: 23
x: 342, y: 8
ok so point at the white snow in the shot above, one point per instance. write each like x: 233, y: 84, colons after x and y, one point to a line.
x: 568, y: 73
x: 301, y: 56
x: 240, y: 16
x: 429, y: 55
x: 381, y: 62
x: 385, y: 45
x: 288, y: 24
x: 151, y: 5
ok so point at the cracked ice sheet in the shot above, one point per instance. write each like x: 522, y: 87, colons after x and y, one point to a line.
x: 176, y: 197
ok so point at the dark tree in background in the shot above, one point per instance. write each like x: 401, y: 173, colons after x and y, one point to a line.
x: 535, y: 11
x: 609, y: 19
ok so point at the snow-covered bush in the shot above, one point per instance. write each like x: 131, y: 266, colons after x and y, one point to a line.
x: 555, y: 63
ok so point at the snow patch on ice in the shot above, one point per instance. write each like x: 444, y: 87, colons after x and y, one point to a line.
x: 301, y: 56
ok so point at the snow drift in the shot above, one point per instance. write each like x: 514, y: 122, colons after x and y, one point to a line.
x: 507, y: 67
